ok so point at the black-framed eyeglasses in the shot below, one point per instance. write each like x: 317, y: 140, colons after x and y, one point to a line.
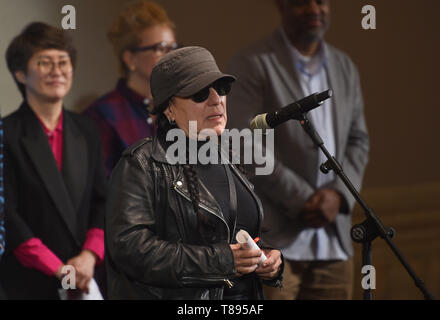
x: 161, y: 47
x: 221, y: 86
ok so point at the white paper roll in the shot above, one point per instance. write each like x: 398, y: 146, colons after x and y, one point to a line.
x: 244, y: 238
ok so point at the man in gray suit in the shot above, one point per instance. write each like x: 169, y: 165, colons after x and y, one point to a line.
x: 307, y: 213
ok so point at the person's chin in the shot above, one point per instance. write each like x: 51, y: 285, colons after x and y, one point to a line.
x: 55, y: 96
x: 219, y: 130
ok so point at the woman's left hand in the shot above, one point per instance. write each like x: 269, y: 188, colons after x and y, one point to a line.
x: 270, y: 268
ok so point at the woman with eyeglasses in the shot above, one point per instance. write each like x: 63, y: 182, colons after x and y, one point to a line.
x: 55, y: 184
x: 171, y: 226
x: 140, y: 36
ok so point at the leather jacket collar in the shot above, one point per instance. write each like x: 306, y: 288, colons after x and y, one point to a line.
x: 207, y: 201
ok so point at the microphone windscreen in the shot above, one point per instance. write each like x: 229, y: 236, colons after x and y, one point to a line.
x: 259, y: 122
x: 325, y: 95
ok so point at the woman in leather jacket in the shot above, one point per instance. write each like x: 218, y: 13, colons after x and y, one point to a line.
x: 171, y: 226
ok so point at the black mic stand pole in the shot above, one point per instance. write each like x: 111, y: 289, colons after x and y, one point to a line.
x: 372, y: 227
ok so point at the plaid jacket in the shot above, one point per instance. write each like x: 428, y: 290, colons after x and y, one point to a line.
x: 122, y: 118
x: 2, y: 199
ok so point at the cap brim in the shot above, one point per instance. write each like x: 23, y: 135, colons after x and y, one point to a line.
x: 201, y: 82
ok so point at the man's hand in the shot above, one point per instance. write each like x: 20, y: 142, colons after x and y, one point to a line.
x: 321, y: 208
x: 84, y: 265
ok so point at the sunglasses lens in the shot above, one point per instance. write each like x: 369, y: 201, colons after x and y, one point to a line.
x: 222, y: 86
x: 201, y: 96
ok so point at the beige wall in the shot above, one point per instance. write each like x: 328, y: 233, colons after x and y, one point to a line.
x: 398, y: 63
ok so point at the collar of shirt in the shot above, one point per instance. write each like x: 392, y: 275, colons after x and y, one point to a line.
x: 309, y: 66
x: 55, y: 139
x: 131, y: 95
x: 58, y: 129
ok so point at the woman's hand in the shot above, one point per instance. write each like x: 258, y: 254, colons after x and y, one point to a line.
x: 84, y: 265
x: 246, y: 260
x: 270, y: 268
x: 59, y: 274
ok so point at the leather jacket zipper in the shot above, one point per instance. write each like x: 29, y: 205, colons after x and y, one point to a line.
x: 228, y: 282
x: 201, y: 205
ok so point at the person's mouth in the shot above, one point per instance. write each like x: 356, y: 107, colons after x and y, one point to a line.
x: 314, y: 23
x: 55, y: 83
x: 215, y: 116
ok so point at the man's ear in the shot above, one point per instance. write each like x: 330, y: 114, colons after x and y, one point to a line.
x: 20, y: 76
x: 168, y: 112
x: 127, y: 58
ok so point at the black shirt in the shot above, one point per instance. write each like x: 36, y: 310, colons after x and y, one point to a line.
x: 215, y: 179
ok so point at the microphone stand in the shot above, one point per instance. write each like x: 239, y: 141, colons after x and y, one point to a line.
x: 372, y: 227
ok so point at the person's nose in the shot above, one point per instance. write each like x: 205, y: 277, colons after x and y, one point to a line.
x: 55, y: 69
x: 213, y: 98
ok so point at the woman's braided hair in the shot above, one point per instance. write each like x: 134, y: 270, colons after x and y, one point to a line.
x: 188, y: 170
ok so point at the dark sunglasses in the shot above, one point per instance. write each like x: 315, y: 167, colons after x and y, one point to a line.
x: 221, y: 86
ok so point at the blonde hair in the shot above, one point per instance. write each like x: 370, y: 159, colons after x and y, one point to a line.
x: 135, y: 18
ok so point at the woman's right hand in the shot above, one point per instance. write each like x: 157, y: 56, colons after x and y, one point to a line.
x: 59, y: 274
x: 246, y: 260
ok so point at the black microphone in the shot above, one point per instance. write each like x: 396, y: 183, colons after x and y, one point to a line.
x: 292, y: 111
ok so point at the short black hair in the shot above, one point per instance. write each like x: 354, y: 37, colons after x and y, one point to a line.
x: 35, y: 37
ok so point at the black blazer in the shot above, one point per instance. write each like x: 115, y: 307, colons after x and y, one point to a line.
x: 42, y: 202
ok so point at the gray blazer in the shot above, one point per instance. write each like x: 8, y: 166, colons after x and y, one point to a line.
x: 267, y: 82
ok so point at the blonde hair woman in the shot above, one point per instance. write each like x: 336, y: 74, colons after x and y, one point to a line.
x: 140, y: 36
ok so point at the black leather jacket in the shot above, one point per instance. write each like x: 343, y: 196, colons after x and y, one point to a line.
x: 154, y: 247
